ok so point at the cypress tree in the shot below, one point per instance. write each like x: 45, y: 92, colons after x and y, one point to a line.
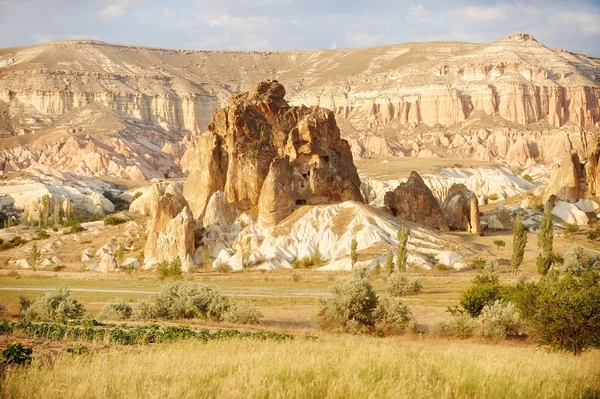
x: 519, y: 243
x: 353, y: 252
x: 389, y: 264
x: 544, y: 241
x: 402, y: 253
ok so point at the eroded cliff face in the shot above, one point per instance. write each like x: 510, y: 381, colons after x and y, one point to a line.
x: 386, y: 99
x: 261, y: 151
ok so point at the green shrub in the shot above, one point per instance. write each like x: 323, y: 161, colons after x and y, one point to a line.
x: 78, y: 349
x: 308, y: 261
x: 499, y: 244
x: 189, y: 300
x: 13, y: 273
x: 475, y: 298
x: 500, y: 320
x: 487, y: 277
x: 17, y: 241
x: 222, y: 267
x: 377, y: 268
x: 243, y: 313
x: 441, y: 267
x: 479, y: 263
x: 493, y: 197
x: 392, y: 313
x: 58, y: 304
x: 400, y: 285
x: 143, y: 311
x: 528, y: 178
x: 75, y: 228
x: 461, y: 326
x: 352, y: 306
x: 16, y: 353
x: 116, y: 310
x: 41, y: 234
x: 113, y: 220
x: 2, y: 310
x: 169, y: 269
x: 571, y: 228
x: 578, y: 260
x: 24, y: 303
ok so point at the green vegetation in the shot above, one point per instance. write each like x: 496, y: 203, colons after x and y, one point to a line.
x: 499, y: 244
x: 402, y: 254
x: 355, y: 308
x: 116, y: 310
x: 389, y: 264
x: 353, y: 252
x: 545, y: 241
x: 519, y: 243
x: 493, y: 197
x: 400, y: 285
x: 12, y: 243
x: 16, y: 353
x: 58, y: 304
x: 570, y: 228
x: 377, y: 268
x: 34, y: 256
x: 113, y: 220
x: 308, y: 262
x: 167, y: 269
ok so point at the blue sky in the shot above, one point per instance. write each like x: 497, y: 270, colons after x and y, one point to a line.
x: 296, y: 24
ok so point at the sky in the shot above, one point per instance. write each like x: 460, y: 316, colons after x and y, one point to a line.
x: 298, y: 24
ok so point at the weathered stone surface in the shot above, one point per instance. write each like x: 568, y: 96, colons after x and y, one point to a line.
x: 461, y: 209
x: 415, y: 202
x: 501, y: 219
x: 219, y: 211
x: 108, y: 263
x: 257, y: 127
x: 171, y: 232
x: 278, y: 194
x: 147, y: 203
x: 567, y: 181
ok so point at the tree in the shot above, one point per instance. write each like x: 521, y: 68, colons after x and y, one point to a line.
x: 499, y: 243
x: 544, y: 240
x: 402, y: 254
x: 568, y: 314
x: 519, y: 243
x: 377, y: 268
x: 34, y: 256
x: 353, y: 252
x: 389, y: 264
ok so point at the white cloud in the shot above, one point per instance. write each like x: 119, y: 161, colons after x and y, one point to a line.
x: 498, y: 12
x: 113, y: 11
x: 362, y: 39
x: 169, y: 12
x: 416, y: 11
x: 485, y: 13
x: 586, y: 22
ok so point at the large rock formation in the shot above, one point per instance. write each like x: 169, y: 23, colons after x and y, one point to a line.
x: 461, y: 209
x: 258, y: 138
x: 171, y: 232
x: 567, y: 181
x: 415, y: 202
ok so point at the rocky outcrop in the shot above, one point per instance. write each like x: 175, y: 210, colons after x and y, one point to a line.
x: 108, y: 263
x: 461, y: 209
x: 171, y: 232
x: 414, y: 201
x: 278, y: 194
x: 147, y: 202
x: 257, y: 135
x: 567, y: 181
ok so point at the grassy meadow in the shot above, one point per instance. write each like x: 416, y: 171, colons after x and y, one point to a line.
x: 332, y: 367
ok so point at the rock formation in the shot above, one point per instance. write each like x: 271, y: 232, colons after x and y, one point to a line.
x: 171, y: 232
x: 567, y: 181
x: 414, y: 201
x: 258, y: 135
x: 461, y: 209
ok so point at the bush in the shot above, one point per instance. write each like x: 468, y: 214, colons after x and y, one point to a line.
x: 499, y: 243
x: 169, y: 269
x: 16, y: 353
x: 58, y: 304
x: 392, y: 313
x: 571, y: 228
x: 400, y: 285
x: 17, y: 241
x: 75, y: 228
x: 307, y: 261
x: 577, y: 260
x: 13, y: 273
x: 242, y: 313
x: 222, y: 267
x: 143, y: 311
x: 189, y: 300
x: 41, y: 234
x: 24, y: 303
x: 479, y: 263
x: 113, y: 220
x: 461, y: 326
x: 500, y: 320
x: 528, y: 178
x: 352, y: 306
x: 475, y: 298
x: 488, y: 277
x: 2, y: 310
x: 493, y: 197
x: 78, y: 349
x: 116, y: 310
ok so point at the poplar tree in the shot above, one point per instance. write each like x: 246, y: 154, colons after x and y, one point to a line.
x: 519, y: 243
x: 353, y: 252
x: 544, y: 241
x: 389, y: 264
x: 402, y: 254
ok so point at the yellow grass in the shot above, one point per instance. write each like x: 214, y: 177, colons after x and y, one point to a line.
x: 335, y: 367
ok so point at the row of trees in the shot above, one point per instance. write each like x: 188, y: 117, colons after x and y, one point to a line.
x: 401, y: 253
x: 545, y: 237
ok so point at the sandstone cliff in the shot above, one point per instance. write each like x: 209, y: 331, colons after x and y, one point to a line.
x: 259, y: 139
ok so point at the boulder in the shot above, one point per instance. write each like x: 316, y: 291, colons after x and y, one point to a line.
x: 277, y: 196
x: 108, y: 263
x: 171, y: 233
x: 414, y: 201
x: 461, y: 209
x: 87, y: 254
x: 236, y: 153
x: 587, y: 206
x: 567, y: 181
x: 569, y: 213
x: 219, y: 211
